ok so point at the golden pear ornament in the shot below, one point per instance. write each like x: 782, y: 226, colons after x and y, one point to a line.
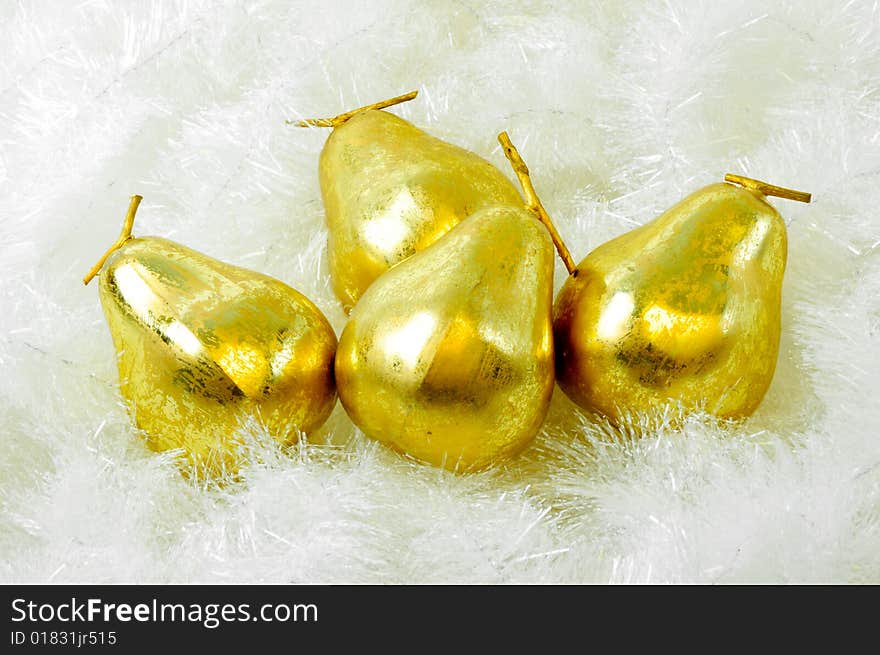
x: 203, y: 345
x: 684, y: 310
x: 390, y: 190
x: 448, y: 357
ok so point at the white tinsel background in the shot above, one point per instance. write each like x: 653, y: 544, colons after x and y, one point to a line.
x: 619, y: 108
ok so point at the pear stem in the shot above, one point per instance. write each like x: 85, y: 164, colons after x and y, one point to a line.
x: 336, y: 121
x: 768, y: 189
x: 124, y: 236
x: 533, y: 202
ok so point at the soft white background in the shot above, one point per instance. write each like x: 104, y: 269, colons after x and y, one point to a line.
x: 620, y: 109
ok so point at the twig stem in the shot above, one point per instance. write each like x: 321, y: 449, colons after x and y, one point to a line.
x: 768, y: 189
x: 124, y: 236
x: 532, y: 200
x: 336, y: 121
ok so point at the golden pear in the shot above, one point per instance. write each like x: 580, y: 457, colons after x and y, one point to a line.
x: 391, y: 190
x: 448, y: 357
x: 203, y: 345
x: 683, y: 310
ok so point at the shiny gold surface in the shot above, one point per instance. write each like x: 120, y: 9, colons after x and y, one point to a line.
x: 202, y: 345
x: 685, y: 308
x: 391, y: 190
x: 448, y: 356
